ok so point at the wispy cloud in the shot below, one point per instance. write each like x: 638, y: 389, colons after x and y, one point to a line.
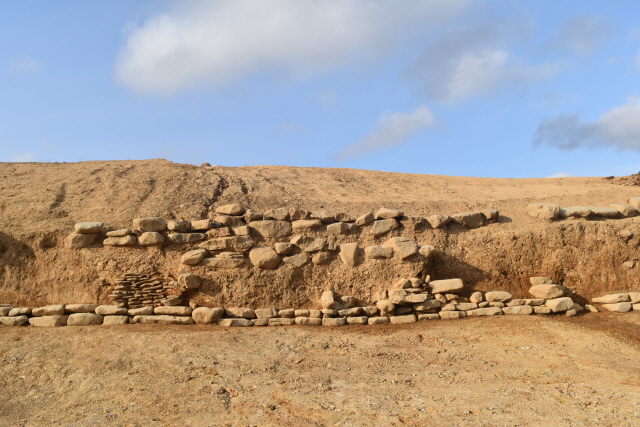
x: 205, y: 43
x: 559, y: 175
x: 24, y: 65
x: 392, y: 129
x: 582, y: 35
x: 618, y: 128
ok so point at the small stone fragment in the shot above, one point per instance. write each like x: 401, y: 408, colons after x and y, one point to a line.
x: 153, y: 224
x: 365, y: 219
x: 234, y: 209
x: 88, y: 227
x: 235, y: 323
x: 194, y: 257
x: 150, y: 238
x: 383, y: 226
x: 349, y: 254
x: 283, y: 248
x: 264, y: 257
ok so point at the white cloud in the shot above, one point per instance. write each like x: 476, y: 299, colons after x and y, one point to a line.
x: 206, y: 43
x: 24, y: 65
x: 638, y: 59
x: 618, y: 128
x: 27, y: 156
x: 476, y: 61
x: 582, y: 35
x: 559, y: 175
x: 391, y: 129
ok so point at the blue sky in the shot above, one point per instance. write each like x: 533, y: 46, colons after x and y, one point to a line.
x: 456, y: 87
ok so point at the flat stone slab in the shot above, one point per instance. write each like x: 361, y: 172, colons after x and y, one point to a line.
x: 449, y: 315
x: 469, y: 219
x: 240, y: 312
x: 429, y: 316
x: 49, y: 310
x: 14, y: 320
x: 206, y: 315
x: 279, y: 321
x: 357, y: 320
x: 175, y: 310
x: 153, y: 224
x: 497, y: 296
x: 313, y: 321
x: 231, y: 209
x: 88, y: 227
x: 80, y: 308
x: 612, y: 298
x: 49, y: 321
x: 17, y: 311
x: 560, y: 304
x: 621, y: 307
x: 445, y: 286
x: 109, y: 310
x: 115, y: 320
x: 532, y: 302
x: 400, y: 320
x: 487, y: 311
x: 140, y: 311
x: 334, y: 321
x: 547, y: 291
x: 548, y: 211
x: 518, y: 309
x: 84, y: 319
x: 235, y: 323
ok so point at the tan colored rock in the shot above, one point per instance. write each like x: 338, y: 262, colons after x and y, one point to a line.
x: 542, y: 309
x: 266, y: 313
x: 575, y: 212
x: 234, y: 209
x: 188, y: 281
x: 635, y: 202
x: 108, y: 310
x: 325, y: 216
x: 386, y: 307
x: 312, y: 321
x: 264, y: 257
x: 309, y: 244
x: 451, y: 315
x: 634, y: 297
x: 590, y: 308
x: 378, y: 252
x: 129, y: 240
x: 287, y: 312
x: 547, y: 211
x: 296, y: 260
x: 150, y: 238
x: 476, y: 297
x: 301, y: 313
x: 465, y: 306
x: 321, y: 258
x: 403, y: 247
x: 604, y: 212
x: 409, y: 299
x: 334, y: 321
x: 469, y: 219
x: 547, y: 291
x: 296, y: 214
x: 621, y: 307
x: 531, y: 302
x: 120, y: 233
x: 17, y: 311
x: 235, y: 323
x: 306, y: 224
x: 79, y: 241
x: 628, y: 264
x: 430, y: 316
x: 115, y: 320
x: 378, y: 295
x: 343, y: 217
x: 272, y: 228
x: 201, y: 225
x: 246, y: 313
x: 283, y: 248
x: 349, y: 254
x: 365, y: 219
x: 480, y: 312
x: 381, y: 320
x: 518, y: 309
x: 328, y: 300
x: 153, y: 224
x: 427, y: 305
x: 182, y: 238
x: 437, y: 221
x: 560, y: 304
x: 48, y: 321
x: 243, y: 230
x: 383, y: 226
x: 497, y: 296
x: 140, y: 311
x: 445, y: 286
x: 80, y: 308
x: 327, y: 312
x: 179, y: 226
x: 21, y: 320
x: 224, y: 260
x: 385, y: 213
x: 490, y: 214
x: 357, y: 320
x: 426, y: 250
x: 280, y: 214
x: 173, y: 311
x: 84, y: 319
x: 88, y: 227
x: 535, y: 281
x: 49, y: 310
x: 338, y: 228
x: 227, y: 221
x: 251, y: 215
x: 612, y: 298
x: 496, y: 304
x: 194, y: 257
x: 232, y: 243
x: 354, y: 311
x: 281, y: 321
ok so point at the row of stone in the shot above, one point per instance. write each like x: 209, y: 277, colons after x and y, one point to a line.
x: 228, y: 252
x: 136, y: 290
x: 279, y: 222
x: 620, y: 302
x: 550, y: 211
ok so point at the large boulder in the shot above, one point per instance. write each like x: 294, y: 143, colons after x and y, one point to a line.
x: 469, y: 219
x: 88, y: 227
x: 48, y: 321
x: 78, y: 241
x: 349, y: 254
x: 604, y: 212
x: 383, y: 226
x: 403, y: 247
x: 49, y: 310
x: 206, y: 315
x: 194, y: 257
x: 19, y: 311
x: 386, y: 307
x: 547, y: 211
x: 14, y: 320
x: 621, y: 307
x: 328, y: 300
x: 150, y: 224
x: 264, y: 257
x: 612, y: 298
x: 231, y: 209
x: 550, y: 291
x: 558, y: 305
x: 84, y: 319
x: 272, y: 228
x: 150, y: 238
x: 445, y: 286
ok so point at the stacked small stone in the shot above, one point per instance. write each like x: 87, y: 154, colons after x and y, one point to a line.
x: 620, y: 302
x: 140, y: 290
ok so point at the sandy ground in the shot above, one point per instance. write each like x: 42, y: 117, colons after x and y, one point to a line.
x: 507, y: 370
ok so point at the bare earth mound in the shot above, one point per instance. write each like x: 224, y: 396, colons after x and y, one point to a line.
x: 508, y: 370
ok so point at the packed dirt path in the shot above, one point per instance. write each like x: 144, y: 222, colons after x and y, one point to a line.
x: 506, y: 370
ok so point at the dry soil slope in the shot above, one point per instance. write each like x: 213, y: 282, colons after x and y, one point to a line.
x: 40, y: 202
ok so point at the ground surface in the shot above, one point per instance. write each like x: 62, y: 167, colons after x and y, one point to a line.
x: 507, y: 370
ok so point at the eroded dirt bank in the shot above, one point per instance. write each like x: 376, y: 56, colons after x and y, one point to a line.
x: 39, y: 204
